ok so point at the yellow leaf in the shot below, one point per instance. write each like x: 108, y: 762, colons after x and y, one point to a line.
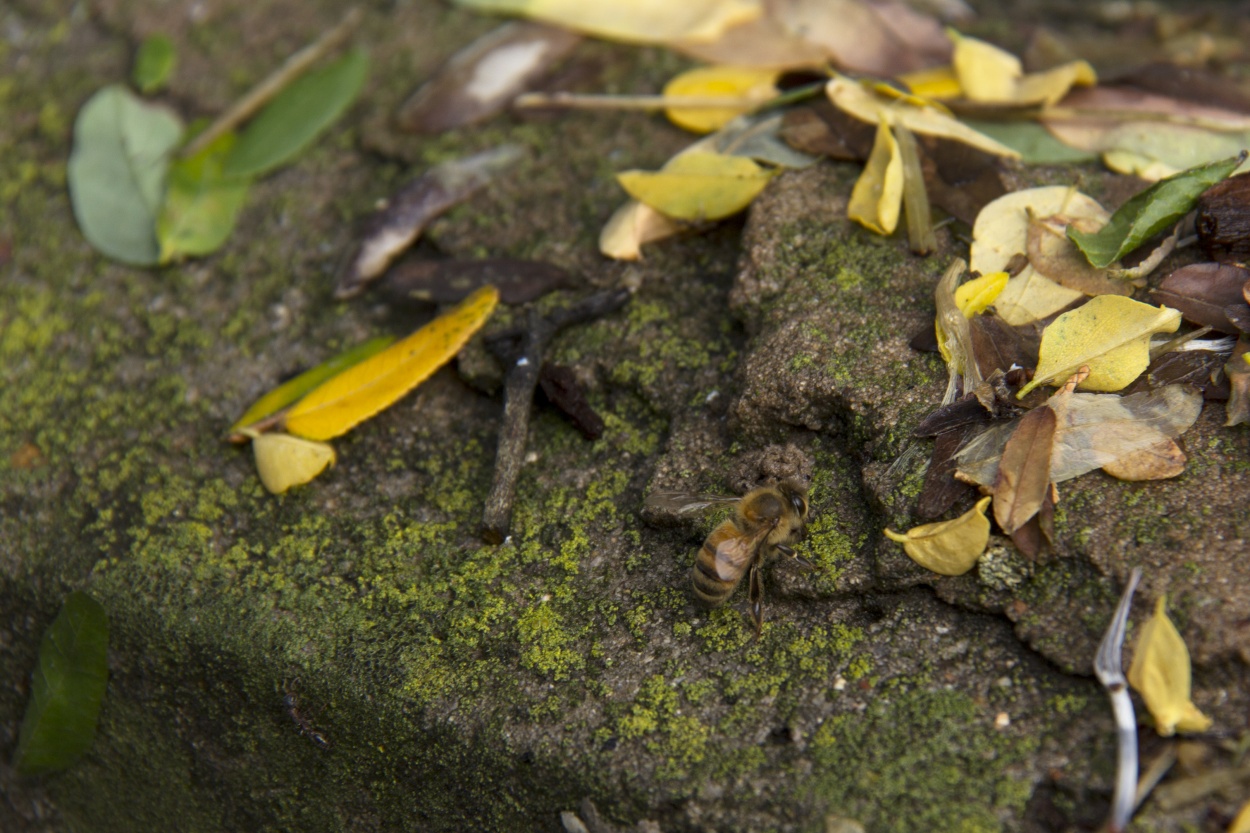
x: 633, y: 224
x: 975, y: 296
x: 1001, y: 232
x: 989, y: 74
x: 859, y: 102
x: 741, y: 84
x: 284, y: 461
x: 698, y: 186
x: 1160, y: 673
x: 936, y: 83
x: 877, y: 198
x: 1241, y: 824
x: 1110, y: 333
x: 951, y: 548
x: 635, y: 21
x: 378, y: 382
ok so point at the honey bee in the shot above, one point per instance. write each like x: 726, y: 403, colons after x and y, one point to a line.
x: 765, y: 521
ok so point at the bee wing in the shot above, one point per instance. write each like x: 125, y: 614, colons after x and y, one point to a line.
x: 734, y: 554
x: 673, y: 502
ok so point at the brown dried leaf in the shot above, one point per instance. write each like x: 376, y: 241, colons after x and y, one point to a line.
x: 1204, y: 291
x: 1024, y: 470
x: 941, y: 490
x: 481, y: 79
x: 1238, y: 371
x: 450, y: 281
x: 882, y: 37
x: 1158, y: 462
x: 1223, y: 219
x: 1183, y: 367
x: 762, y: 42
x: 996, y: 345
x: 823, y: 129
x: 1055, y: 256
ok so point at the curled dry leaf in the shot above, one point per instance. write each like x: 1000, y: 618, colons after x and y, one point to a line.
x: 1223, y: 219
x: 869, y: 106
x: 877, y: 197
x: 632, y: 225
x: 1056, y: 257
x: 698, y: 186
x: 481, y: 79
x: 953, y: 333
x: 1238, y: 372
x: 1161, y: 675
x: 1158, y: 462
x: 992, y: 75
x: 283, y: 461
x: 950, y: 548
x: 1110, y: 333
x: 1203, y: 292
x: 633, y: 21
x: 1001, y: 233
x: 1024, y: 470
x: 381, y: 380
x: 397, y: 226
x: 1091, y: 431
x: 747, y: 86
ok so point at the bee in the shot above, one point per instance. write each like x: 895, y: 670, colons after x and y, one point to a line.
x: 765, y: 521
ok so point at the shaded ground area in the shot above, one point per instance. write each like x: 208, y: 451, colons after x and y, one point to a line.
x: 462, y: 685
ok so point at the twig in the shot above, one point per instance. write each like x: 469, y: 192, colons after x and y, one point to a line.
x: 1109, y: 667
x: 522, y: 352
x: 278, y: 80
x: 594, y: 101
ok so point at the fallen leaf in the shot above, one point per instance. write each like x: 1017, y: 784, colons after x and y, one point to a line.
x: 1024, y: 470
x: 633, y: 21
x: 1057, y: 258
x: 877, y: 198
x: 1241, y: 824
x: 698, y: 186
x: 950, y: 548
x: 868, y: 106
x: 294, y: 389
x: 1223, y: 219
x: 1035, y: 144
x: 1109, y: 333
x: 1091, y: 431
x: 1161, y: 675
x: 877, y: 37
x: 940, y: 489
x: 997, y: 346
x: 401, y: 221
x: 989, y: 74
x: 283, y: 461
x: 154, y: 63
x: 483, y: 78
x: 1150, y: 212
x: 1158, y: 462
x: 954, y: 337
x: 66, y: 689
x: 747, y: 85
x: 201, y: 204
x: 1001, y: 233
x: 632, y: 225
x: 759, y: 42
x: 1238, y: 371
x: 450, y: 281
x: 117, y: 172
x: 975, y: 296
x: 1203, y: 292
x: 382, y: 379
x: 297, y: 115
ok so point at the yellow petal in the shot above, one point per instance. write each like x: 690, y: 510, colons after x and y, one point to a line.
x: 379, y: 381
x: 1160, y: 673
x: 698, y: 186
x: 1046, y: 88
x: 976, y: 295
x: 877, y: 198
x: 989, y: 74
x: 632, y: 225
x: 284, y: 461
x: 951, y: 548
x: 635, y: 21
x: 746, y: 85
x: 937, y: 83
x: 854, y: 99
x: 1110, y: 333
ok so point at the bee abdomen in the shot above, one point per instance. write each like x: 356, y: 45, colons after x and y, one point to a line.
x: 709, y: 588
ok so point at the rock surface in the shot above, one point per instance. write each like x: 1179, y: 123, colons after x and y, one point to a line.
x: 465, y: 686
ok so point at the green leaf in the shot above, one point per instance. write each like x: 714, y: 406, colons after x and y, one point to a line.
x: 300, y: 112
x: 1035, y: 143
x: 294, y: 389
x: 67, y: 688
x: 1150, y: 212
x: 154, y: 63
x: 117, y: 172
x: 201, y: 205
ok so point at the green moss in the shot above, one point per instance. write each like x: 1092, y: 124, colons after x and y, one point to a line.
x: 919, y: 761
x: 545, y: 644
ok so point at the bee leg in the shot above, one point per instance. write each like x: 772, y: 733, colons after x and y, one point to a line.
x: 755, y: 594
x: 795, y: 557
